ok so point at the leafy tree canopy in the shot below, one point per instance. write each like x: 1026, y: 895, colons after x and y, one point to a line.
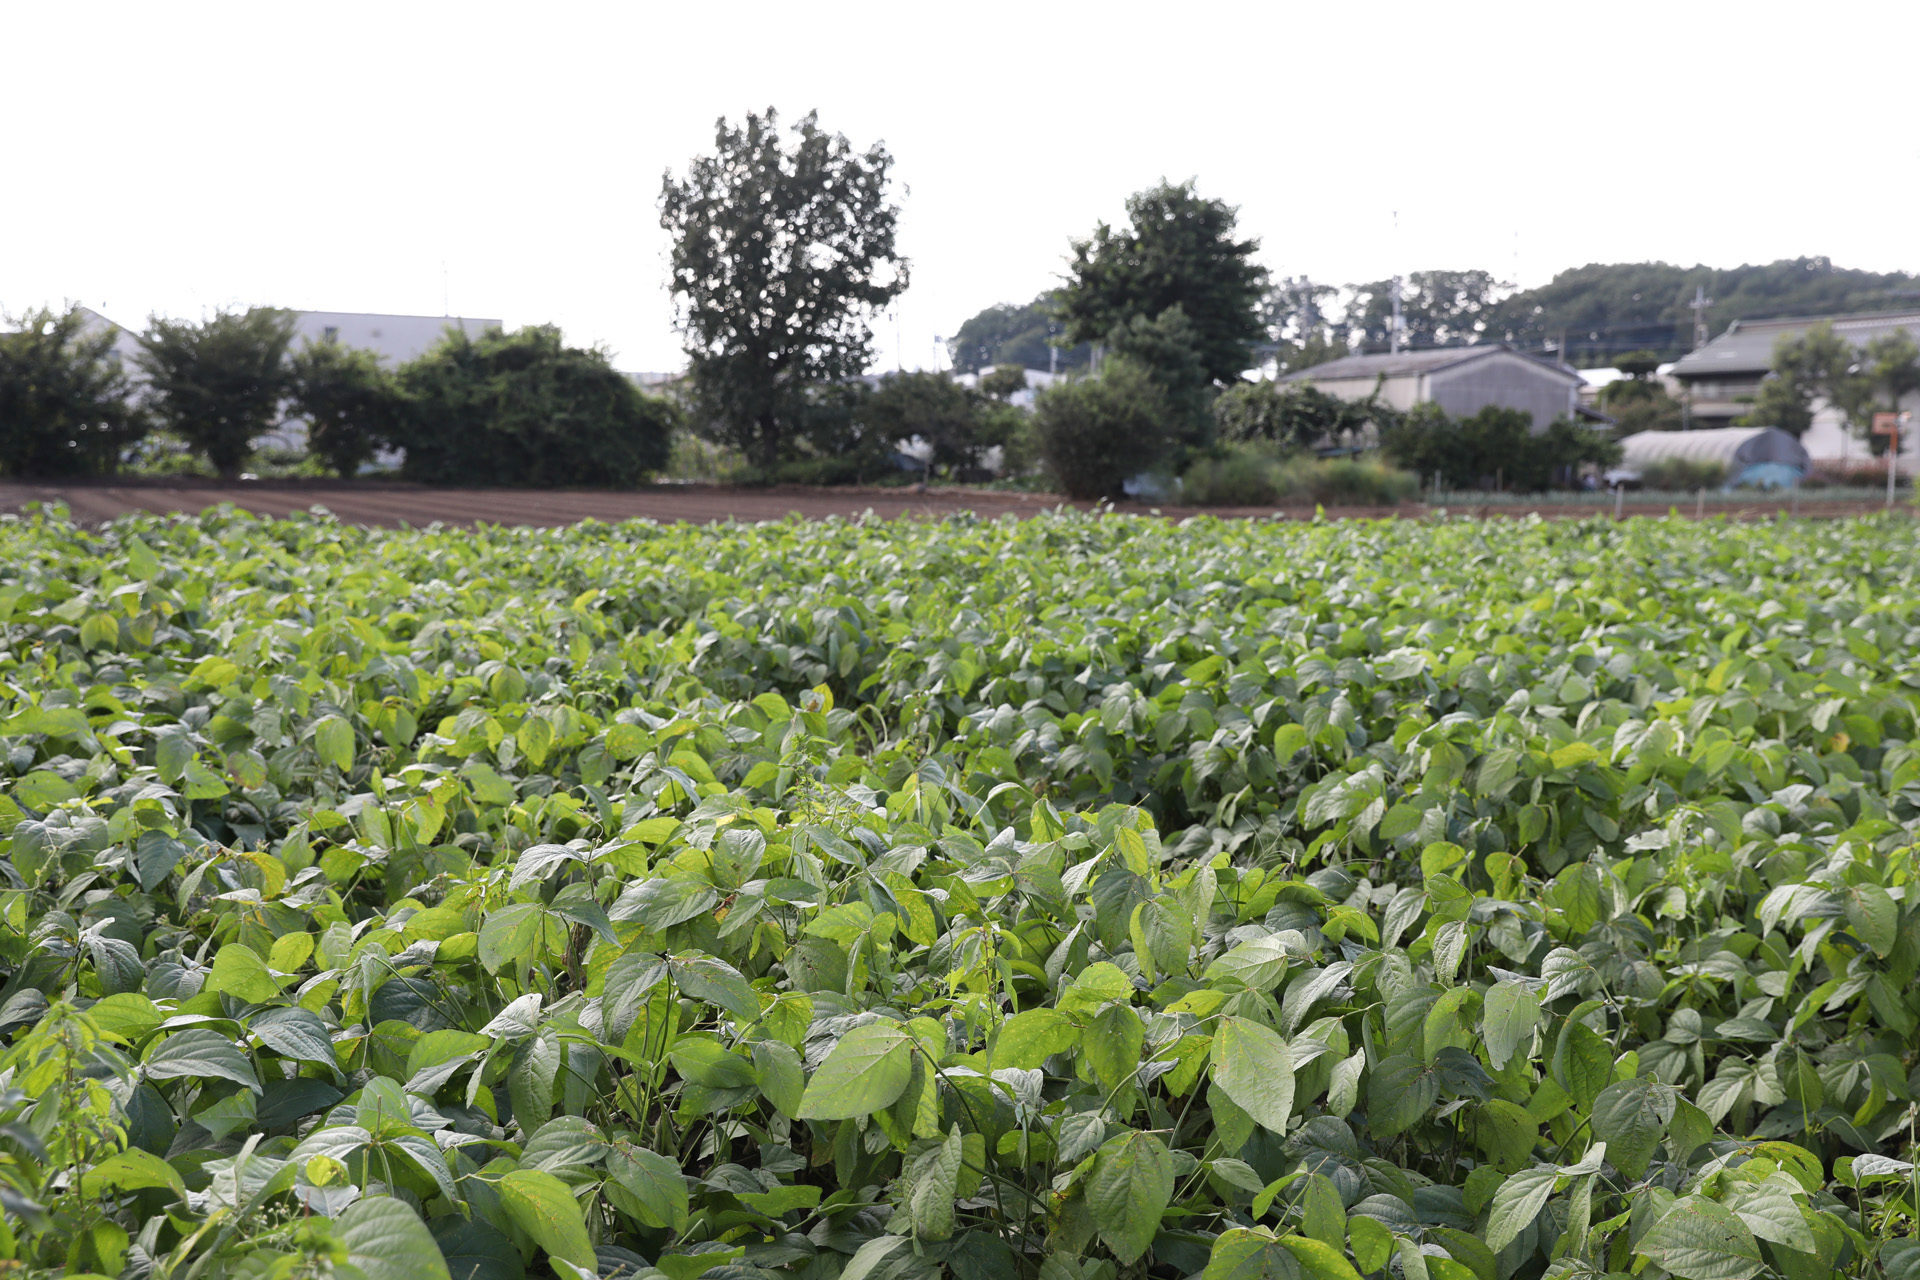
x: 1291, y: 415
x: 352, y: 405
x: 957, y: 423
x: 1168, y: 348
x: 782, y: 251
x: 1178, y: 250
x: 1437, y: 309
x: 218, y: 383
x: 1010, y: 333
x: 523, y: 408
x: 65, y: 405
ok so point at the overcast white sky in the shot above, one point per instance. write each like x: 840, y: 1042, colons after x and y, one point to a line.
x: 176, y: 157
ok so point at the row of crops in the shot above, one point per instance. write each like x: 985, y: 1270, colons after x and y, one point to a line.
x: 1072, y: 899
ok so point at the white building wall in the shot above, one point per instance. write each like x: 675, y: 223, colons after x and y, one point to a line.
x: 1828, y: 439
x: 397, y: 339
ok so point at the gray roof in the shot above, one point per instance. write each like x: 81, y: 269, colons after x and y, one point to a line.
x: 1747, y: 345
x: 1400, y: 363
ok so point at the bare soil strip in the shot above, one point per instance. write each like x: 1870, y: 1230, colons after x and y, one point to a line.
x: 394, y: 505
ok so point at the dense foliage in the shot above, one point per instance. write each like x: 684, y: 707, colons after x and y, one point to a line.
x: 218, y: 383
x: 1496, y: 448
x: 1177, y: 250
x: 524, y: 408
x: 1009, y: 333
x: 1094, y: 434
x: 65, y: 401
x: 351, y: 403
x: 782, y: 253
x: 1078, y: 898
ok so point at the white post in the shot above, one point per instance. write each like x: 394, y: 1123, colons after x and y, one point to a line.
x: 1893, y: 454
x: 1619, y: 499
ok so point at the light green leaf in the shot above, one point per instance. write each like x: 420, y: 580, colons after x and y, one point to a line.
x: 1243, y: 1254
x: 239, y: 971
x: 1507, y: 1020
x: 542, y: 1206
x: 1255, y: 1068
x: 333, y: 741
x: 864, y: 1073
x: 1517, y: 1203
x: 1699, y: 1239
x: 1028, y: 1039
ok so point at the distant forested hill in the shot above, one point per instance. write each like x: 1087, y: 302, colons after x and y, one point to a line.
x: 1609, y: 308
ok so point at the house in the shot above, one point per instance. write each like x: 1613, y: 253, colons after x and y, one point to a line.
x: 1720, y: 379
x: 1460, y: 380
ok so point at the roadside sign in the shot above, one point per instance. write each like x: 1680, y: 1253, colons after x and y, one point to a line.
x: 1887, y: 424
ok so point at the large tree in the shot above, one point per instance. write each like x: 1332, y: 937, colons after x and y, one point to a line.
x: 1006, y: 333
x: 1437, y: 309
x: 64, y: 399
x: 1177, y: 250
x: 218, y: 383
x: 782, y: 252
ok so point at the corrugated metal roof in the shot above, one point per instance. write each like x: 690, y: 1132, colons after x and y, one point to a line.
x: 1396, y: 364
x: 1747, y: 345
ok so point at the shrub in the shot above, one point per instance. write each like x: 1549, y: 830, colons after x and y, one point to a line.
x: 64, y: 399
x: 1495, y: 448
x: 1296, y: 415
x: 1683, y: 473
x: 1093, y: 433
x: 526, y: 409
x: 1253, y: 477
x: 1362, y: 483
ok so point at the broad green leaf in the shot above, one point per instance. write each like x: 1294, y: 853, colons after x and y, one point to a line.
x: 654, y: 1181
x: 199, y: 1051
x: 1028, y: 1039
x: 1128, y: 1189
x: 1508, y: 1017
x: 542, y: 1206
x: 1698, y: 1239
x: 1255, y: 1068
x: 333, y: 741
x: 933, y: 1176
x: 1400, y: 1092
x: 387, y: 1240
x: 1630, y: 1116
x: 239, y: 971
x: 865, y: 1072
x: 1243, y: 1254
x: 1517, y: 1204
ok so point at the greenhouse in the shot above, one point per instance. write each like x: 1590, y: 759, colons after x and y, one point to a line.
x: 1762, y: 457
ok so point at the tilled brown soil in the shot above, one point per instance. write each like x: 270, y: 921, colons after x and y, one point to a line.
x: 391, y: 504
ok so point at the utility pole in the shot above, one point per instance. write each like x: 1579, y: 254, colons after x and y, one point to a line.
x: 1393, y: 338
x: 1700, y: 304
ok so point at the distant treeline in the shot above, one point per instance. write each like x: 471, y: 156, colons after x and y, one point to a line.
x: 1587, y: 315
